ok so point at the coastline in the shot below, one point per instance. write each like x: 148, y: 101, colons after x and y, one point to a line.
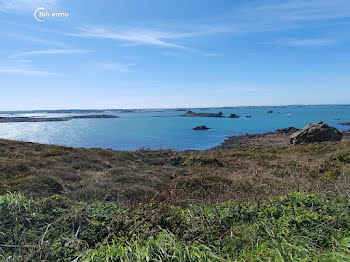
x: 51, y: 119
x: 167, y: 129
x: 278, y: 138
x: 202, y: 176
x: 96, y: 190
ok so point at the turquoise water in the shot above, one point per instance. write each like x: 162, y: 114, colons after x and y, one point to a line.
x: 166, y: 129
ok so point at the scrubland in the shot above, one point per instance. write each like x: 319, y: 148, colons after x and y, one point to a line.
x: 284, y: 203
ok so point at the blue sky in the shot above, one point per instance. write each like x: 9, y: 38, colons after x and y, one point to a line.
x: 184, y: 53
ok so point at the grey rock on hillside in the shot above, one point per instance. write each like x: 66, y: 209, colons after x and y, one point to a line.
x: 316, y: 132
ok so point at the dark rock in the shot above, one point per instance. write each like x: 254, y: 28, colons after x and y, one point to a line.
x: 270, y: 111
x: 344, y: 124
x: 193, y: 114
x: 201, y: 128
x: 234, y: 116
x: 93, y: 116
x: 316, y: 132
x: 346, y: 134
x: 288, y: 130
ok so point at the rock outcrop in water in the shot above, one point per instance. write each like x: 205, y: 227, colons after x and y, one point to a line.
x: 193, y: 114
x: 93, y: 116
x: 344, y: 124
x: 220, y: 115
x: 201, y: 128
x: 316, y: 132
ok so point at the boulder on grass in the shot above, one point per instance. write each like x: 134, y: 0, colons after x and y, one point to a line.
x: 316, y: 132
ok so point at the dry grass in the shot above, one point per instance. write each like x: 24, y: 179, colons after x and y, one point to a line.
x: 177, y: 177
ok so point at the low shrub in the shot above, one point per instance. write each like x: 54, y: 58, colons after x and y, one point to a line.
x: 295, y: 227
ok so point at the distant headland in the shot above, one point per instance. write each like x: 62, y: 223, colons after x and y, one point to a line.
x: 51, y: 119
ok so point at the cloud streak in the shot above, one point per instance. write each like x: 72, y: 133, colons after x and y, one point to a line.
x: 301, y: 10
x: 311, y: 42
x: 28, y: 72
x: 115, y: 67
x: 270, y: 16
x: 50, y: 52
x: 39, y: 40
x: 256, y: 16
x: 212, y: 54
x: 135, y: 36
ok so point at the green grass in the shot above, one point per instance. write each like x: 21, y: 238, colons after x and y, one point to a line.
x: 296, y: 227
x: 256, y: 204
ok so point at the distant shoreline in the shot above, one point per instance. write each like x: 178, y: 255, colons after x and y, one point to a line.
x: 51, y: 119
x: 134, y: 110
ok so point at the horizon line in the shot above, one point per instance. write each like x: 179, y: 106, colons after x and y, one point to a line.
x: 164, y: 108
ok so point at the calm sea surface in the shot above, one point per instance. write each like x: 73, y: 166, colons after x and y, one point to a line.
x: 166, y: 129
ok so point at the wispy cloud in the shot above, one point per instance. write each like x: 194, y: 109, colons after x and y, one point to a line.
x: 169, y: 53
x: 311, y: 42
x: 212, y: 54
x: 268, y: 16
x: 135, y: 36
x: 25, y: 5
x: 40, y: 40
x: 50, y: 52
x: 116, y: 67
x: 303, y: 10
x: 30, y: 72
x: 255, y: 16
x: 245, y: 90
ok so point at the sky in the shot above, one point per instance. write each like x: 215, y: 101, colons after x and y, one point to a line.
x: 167, y: 54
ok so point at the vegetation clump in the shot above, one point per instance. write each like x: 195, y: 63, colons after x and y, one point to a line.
x: 287, y: 203
x: 295, y: 227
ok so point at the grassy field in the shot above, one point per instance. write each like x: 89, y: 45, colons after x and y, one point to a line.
x: 258, y: 204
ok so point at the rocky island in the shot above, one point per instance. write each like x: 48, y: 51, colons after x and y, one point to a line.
x: 234, y: 116
x: 201, y: 128
x: 193, y: 114
x: 220, y: 115
x: 93, y: 116
x: 51, y: 119
x: 344, y: 124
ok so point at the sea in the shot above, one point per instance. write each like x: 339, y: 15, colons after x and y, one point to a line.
x: 165, y: 128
